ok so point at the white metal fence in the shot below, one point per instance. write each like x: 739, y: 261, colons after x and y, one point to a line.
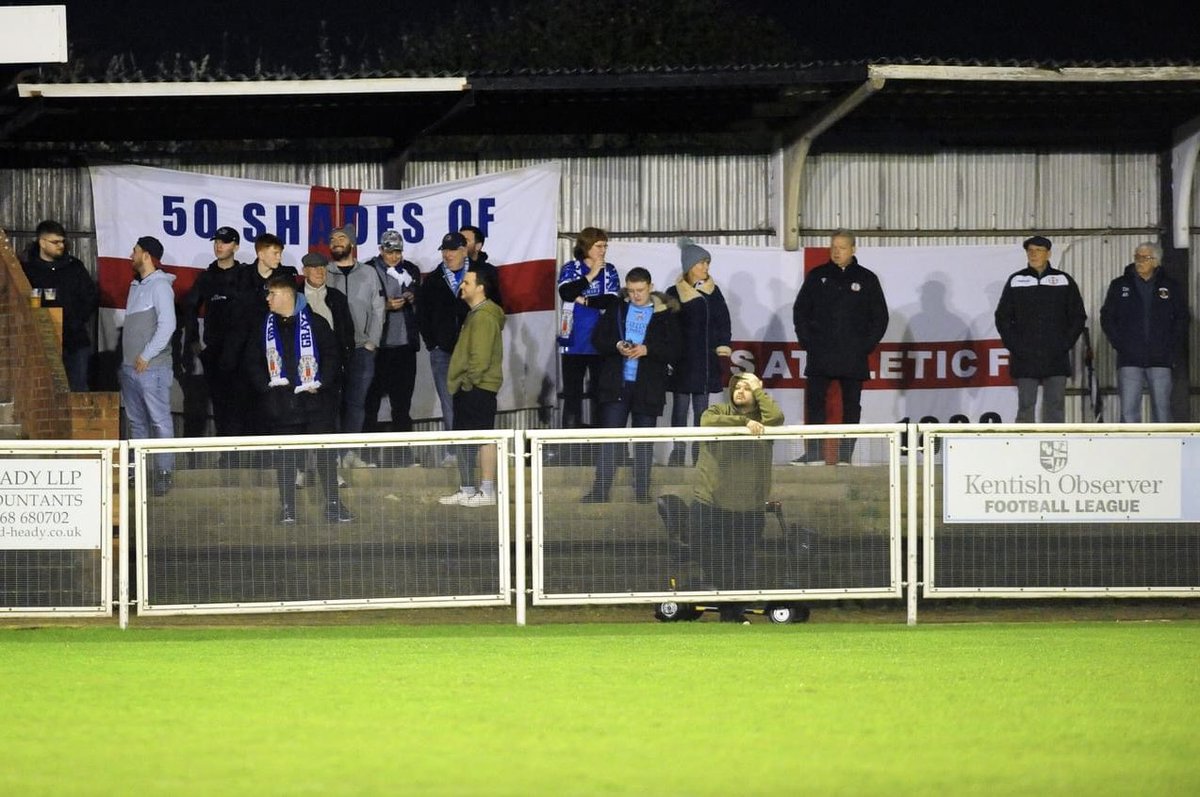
x: 56, y: 520
x: 1011, y: 511
x: 1087, y: 510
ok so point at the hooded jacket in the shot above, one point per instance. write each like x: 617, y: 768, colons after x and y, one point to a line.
x: 149, y: 320
x: 840, y: 315
x: 662, y: 351
x: 225, y: 296
x: 1147, y: 324
x: 705, y: 331
x: 365, y: 293
x: 478, y: 358
x: 76, y: 293
x: 736, y: 474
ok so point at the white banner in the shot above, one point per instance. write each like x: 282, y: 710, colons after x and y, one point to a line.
x: 1016, y: 478
x: 52, y: 504
x: 517, y: 211
x: 941, y: 356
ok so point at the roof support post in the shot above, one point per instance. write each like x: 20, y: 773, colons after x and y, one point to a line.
x: 795, y: 154
x: 1183, y: 174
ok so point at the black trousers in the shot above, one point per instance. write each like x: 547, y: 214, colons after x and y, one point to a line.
x: 725, y: 542
x: 289, y: 460
x: 395, y: 377
x: 814, y: 411
x: 574, y: 368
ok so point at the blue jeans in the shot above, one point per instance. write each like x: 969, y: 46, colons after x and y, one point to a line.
x: 614, y: 415
x: 359, y: 373
x: 1054, y: 389
x: 1130, y: 380
x: 147, y: 400
x: 76, y: 364
x: 439, y: 363
x: 679, y: 407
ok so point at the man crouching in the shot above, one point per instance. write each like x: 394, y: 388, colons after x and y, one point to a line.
x: 732, y: 486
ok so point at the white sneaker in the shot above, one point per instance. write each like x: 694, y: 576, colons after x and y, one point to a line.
x: 479, y: 499
x: 353, y: 460
x: 299, y: 480
x: 454, y: 499
x: 342, y: 481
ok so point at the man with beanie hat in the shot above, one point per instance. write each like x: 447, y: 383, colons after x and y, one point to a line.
x: 396, y: 360
x: 705, y: 336
x: 364, y: 292
x: 732, y: 486
x: 64, y: 282
x: 1039, y: 317
x: 146, y: 373
x: 840, y: 315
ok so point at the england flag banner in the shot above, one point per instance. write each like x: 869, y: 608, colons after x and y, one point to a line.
x: 941, y: 356
x: 516, y: 210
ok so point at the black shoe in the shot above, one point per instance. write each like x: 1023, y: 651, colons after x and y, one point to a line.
x: 336, y: 512
x: 163, y: 482
x: 287, y: 514
x: 594, y: 496
x: 676, y: 460
x: 733, y: 613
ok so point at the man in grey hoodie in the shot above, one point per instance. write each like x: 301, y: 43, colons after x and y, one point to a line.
x: 146, y: 373
x: 364, y: 291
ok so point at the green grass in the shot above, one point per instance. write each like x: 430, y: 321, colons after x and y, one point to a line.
x: 699, y: 708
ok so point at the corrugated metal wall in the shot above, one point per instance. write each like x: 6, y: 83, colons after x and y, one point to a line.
x: 1096, y: 206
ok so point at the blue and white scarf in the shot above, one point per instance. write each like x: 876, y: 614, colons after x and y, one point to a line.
x: 308, y: 365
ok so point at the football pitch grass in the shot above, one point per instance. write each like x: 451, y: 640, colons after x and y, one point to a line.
x: 605, y: 709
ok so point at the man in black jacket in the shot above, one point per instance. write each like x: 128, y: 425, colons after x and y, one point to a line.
x: 440, y: 315
x: 477, y: 259
x: 638, y: 339
x: 63, y: 281
x: 224, y: 295
x: 1039, y: 317
x: 840, y: 315
x: 1145, y: 318
x: 292, y: 361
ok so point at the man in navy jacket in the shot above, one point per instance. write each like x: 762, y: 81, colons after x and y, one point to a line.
x: 1145, y: 318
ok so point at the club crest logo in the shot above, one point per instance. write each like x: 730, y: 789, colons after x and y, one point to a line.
x: 1053, y: 455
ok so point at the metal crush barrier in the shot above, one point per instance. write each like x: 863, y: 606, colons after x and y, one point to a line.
x: 1081, y: 510
x: 56, y: 528
x: 826, y: 528
x: 214, y: 538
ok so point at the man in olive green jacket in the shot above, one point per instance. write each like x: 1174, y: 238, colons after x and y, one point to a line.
x: 734, y: 481
x: 474, y: 377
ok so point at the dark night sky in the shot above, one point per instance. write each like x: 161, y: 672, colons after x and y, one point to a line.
x: 1048, y: 30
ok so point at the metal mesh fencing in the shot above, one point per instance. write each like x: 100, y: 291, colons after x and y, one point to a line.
x: 321, y: 522
x: 1042, y: 541
x: 639, y: 515
x: 56, y: 527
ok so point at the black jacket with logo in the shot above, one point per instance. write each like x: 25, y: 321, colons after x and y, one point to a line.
x: 1145, y: 335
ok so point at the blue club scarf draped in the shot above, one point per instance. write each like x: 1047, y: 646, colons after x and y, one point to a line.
x: 308, y: 365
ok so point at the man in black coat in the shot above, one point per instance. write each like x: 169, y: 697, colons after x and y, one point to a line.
x: 288, y: 361
x: 639, y: 339
x: 840, y: 315
x: 63, y: 281
x: 1040, y: 315
x: 225, y: 296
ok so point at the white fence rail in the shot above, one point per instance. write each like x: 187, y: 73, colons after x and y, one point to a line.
x: 56, y: 522
x: 1087, y: 510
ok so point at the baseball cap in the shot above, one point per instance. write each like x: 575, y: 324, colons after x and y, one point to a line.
x: 453, y: 240
x: 227, y: 235
x: 391, y: 241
